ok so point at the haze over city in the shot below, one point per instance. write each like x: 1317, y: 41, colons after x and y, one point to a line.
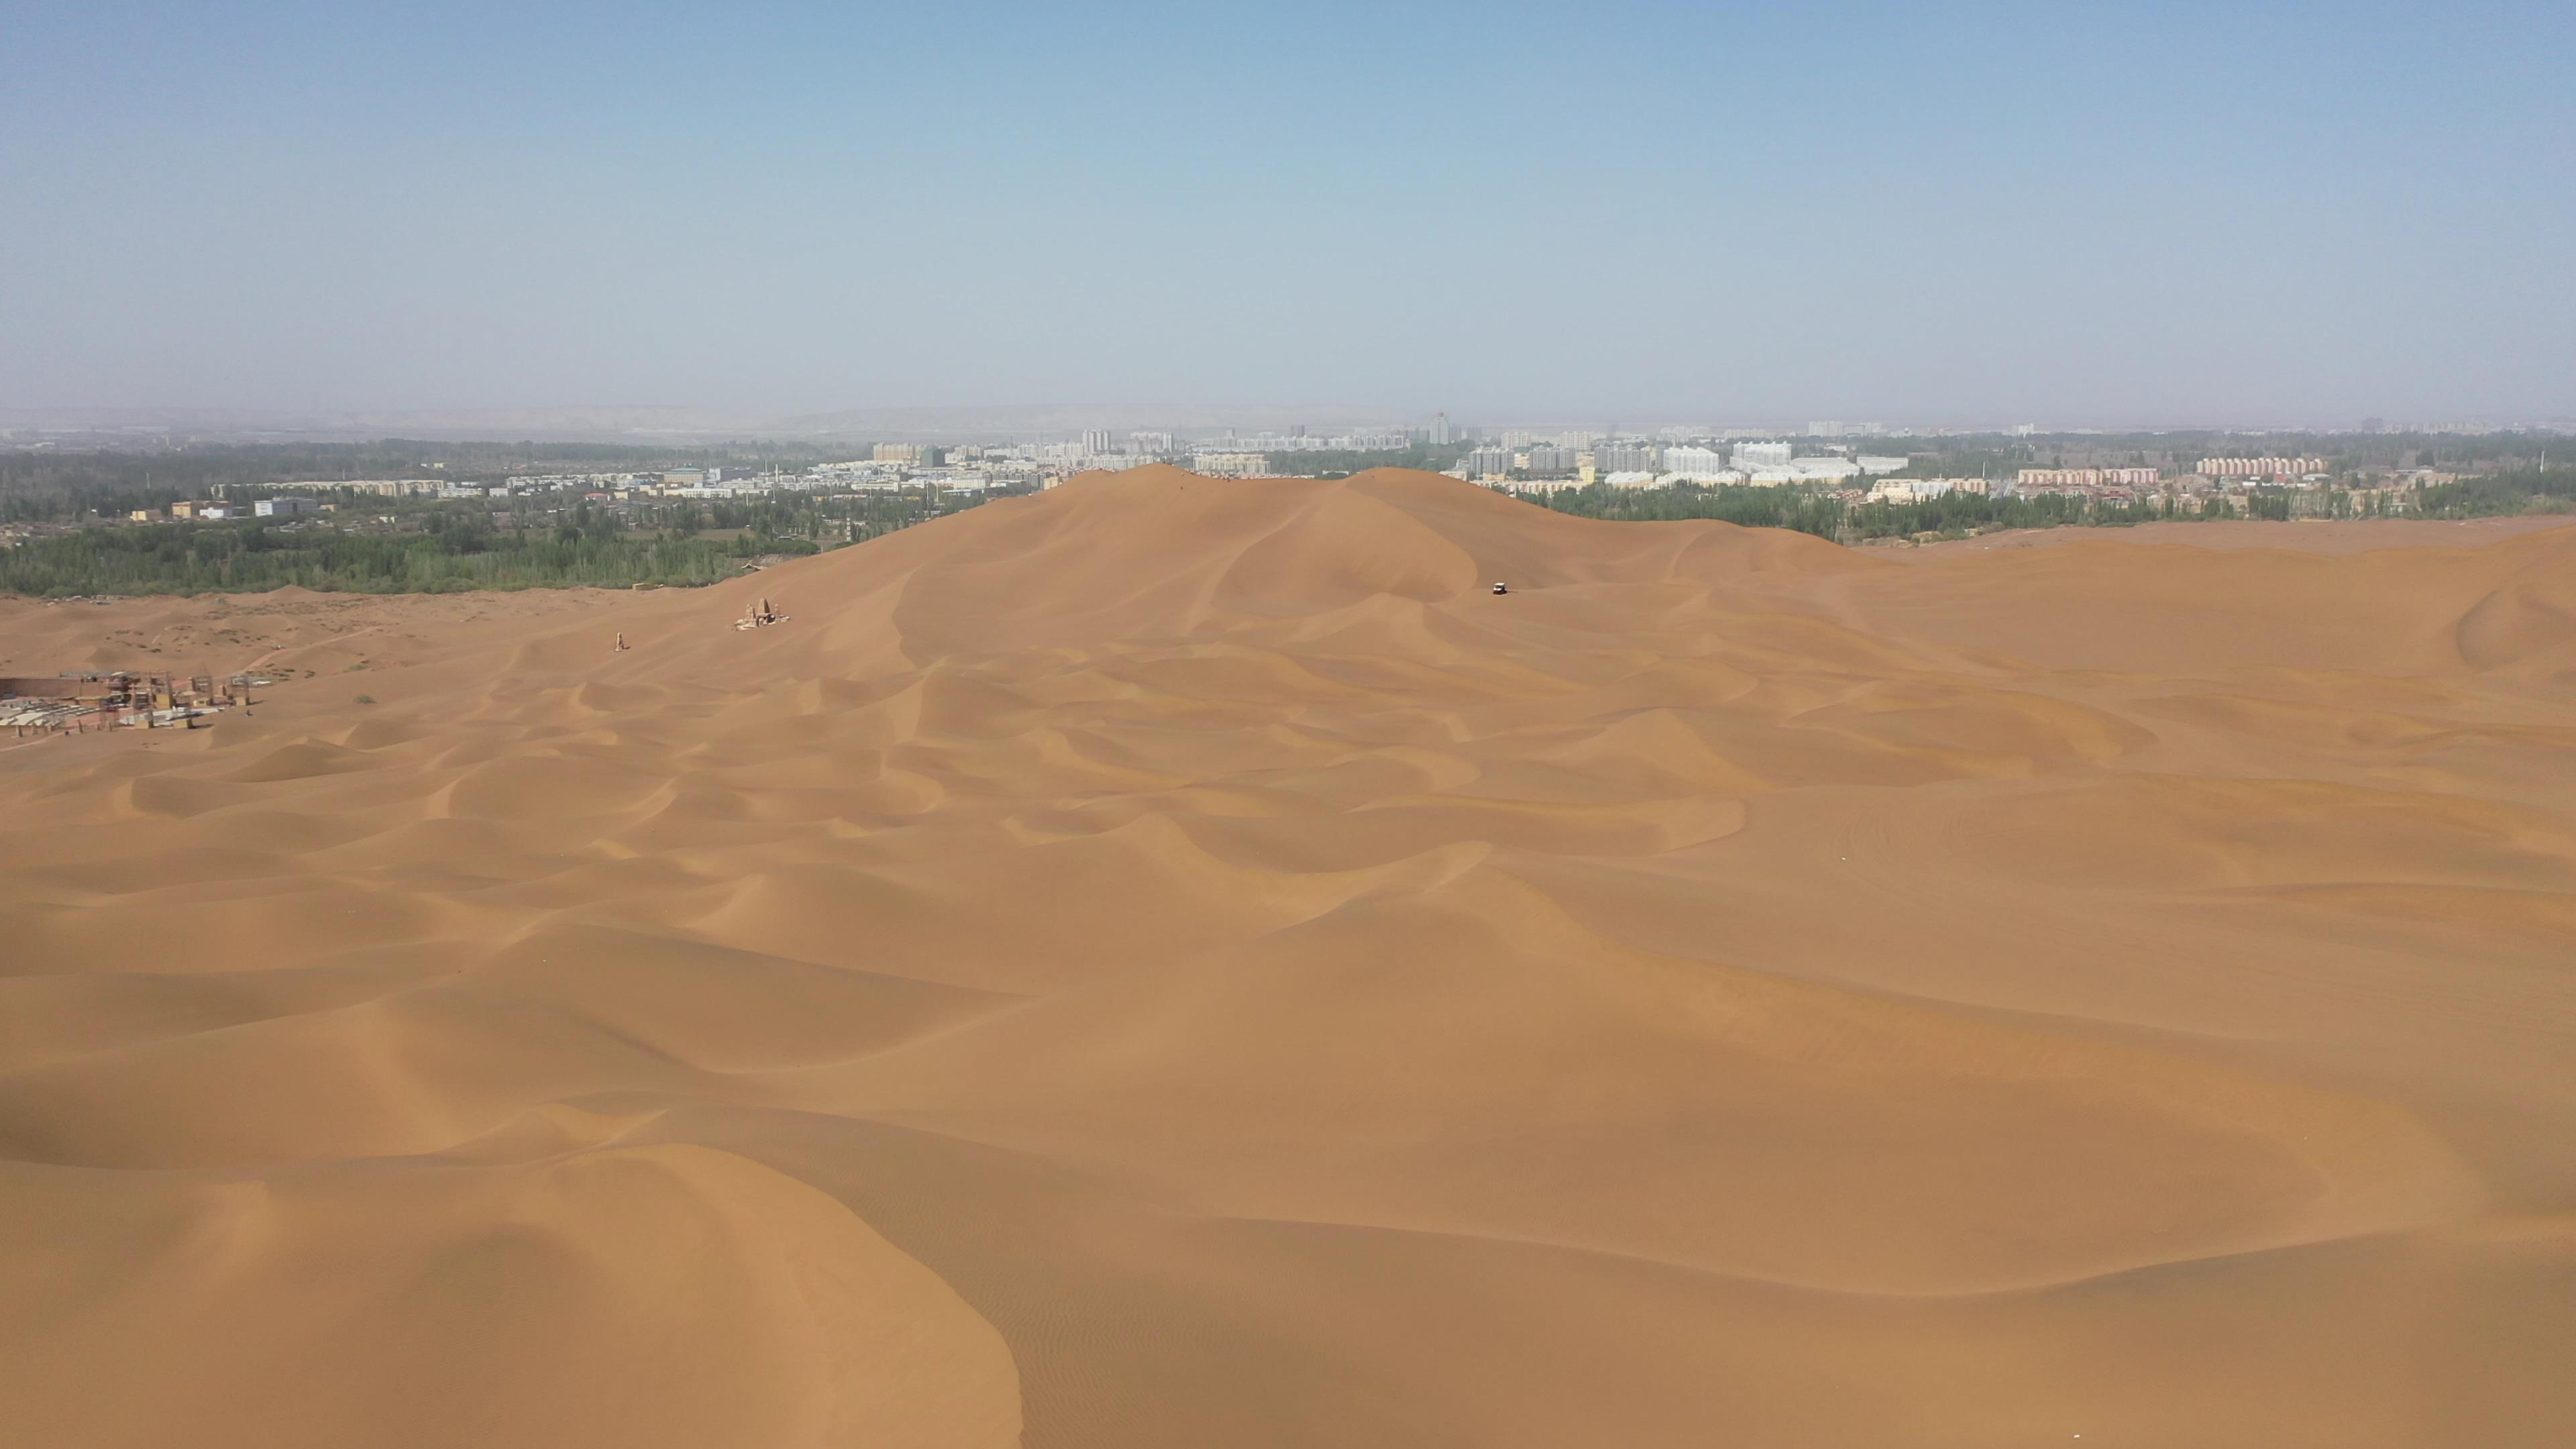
x: 2147, y: 215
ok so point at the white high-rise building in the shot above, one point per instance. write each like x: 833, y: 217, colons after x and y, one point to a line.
x: 1096, y: 440
x: 1759, y: 455
x: 1692, y: 462
x: 1442, y: 435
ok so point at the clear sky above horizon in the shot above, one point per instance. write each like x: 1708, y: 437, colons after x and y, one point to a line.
x: 2062, y: 213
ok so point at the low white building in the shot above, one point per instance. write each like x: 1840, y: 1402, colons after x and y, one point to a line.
x: 1916, y: 490
x: 1824, y: 470
x: 1231, y: 465
x: 384, y: 487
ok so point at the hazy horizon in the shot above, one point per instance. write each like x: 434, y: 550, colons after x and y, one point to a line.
x: 2219, y: 216
x: 679, y: 426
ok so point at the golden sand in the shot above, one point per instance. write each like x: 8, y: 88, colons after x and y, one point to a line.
x: 1179, y: 962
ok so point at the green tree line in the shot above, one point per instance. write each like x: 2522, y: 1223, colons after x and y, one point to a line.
x: 2543, y: 490
x: 1809, y: 510
x: 180, y: 558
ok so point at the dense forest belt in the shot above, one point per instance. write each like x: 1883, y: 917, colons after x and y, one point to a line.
x: 181, y: 558
x: 1806, y: 510
x: 446, y: 546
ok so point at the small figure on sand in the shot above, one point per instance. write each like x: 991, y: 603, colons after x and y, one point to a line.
x: 760, y: 617
x: 620, y: 646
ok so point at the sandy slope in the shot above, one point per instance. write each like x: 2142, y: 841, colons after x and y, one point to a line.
x: 1177, y: 962
x: 287, y: 634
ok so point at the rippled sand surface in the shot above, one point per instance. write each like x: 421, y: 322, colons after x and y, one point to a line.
x: 1179, y: 962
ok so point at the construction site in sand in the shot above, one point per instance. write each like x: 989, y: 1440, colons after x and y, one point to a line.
x: 34, y: 706
x: 72, y: 703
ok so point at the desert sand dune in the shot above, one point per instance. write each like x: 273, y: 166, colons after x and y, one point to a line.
x: 1177, y: 961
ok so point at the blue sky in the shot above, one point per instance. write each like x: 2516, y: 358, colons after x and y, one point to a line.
x: 2069, y: 213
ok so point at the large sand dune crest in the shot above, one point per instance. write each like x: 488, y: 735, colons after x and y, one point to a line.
x: 1178, y: 961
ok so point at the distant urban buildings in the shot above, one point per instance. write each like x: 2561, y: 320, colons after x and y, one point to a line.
x: 1380, y: 440
x: 1823, y: 470
x: 2259, y: 467
x: 1526, y: 457
x: 1231, y: 465
x: 1701, y: 464
x: 381, y: 487
x: 1801, y: 470
x: 1918, y: 490
x: 2071, y: 480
